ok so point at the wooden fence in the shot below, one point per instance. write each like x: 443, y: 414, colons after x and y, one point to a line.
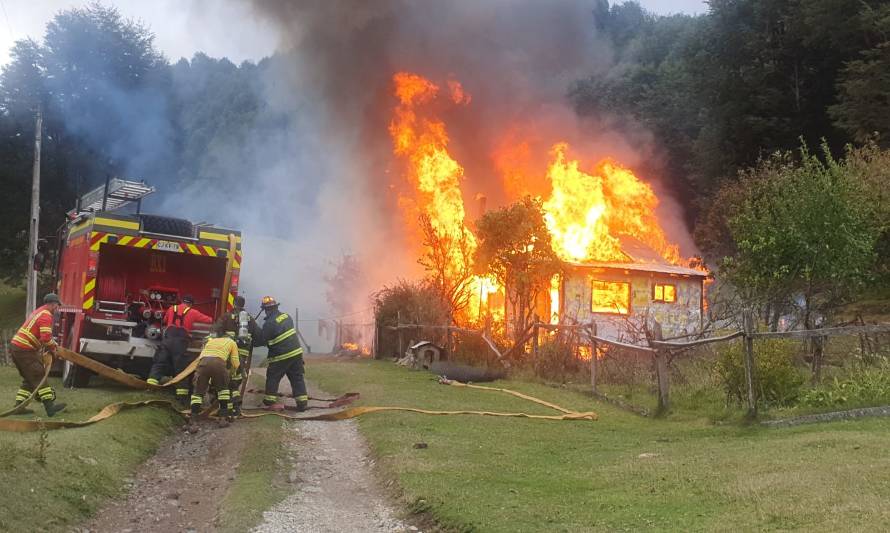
x: 660, y: 350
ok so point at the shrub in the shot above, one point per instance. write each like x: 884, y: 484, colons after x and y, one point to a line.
x: 556, y: 360
x: 776, y: 381
x: 865, y: 387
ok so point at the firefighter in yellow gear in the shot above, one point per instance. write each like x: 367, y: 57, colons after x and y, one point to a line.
x: 215, y: 364
x: 240, y: 326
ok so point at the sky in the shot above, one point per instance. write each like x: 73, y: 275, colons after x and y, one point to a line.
x: 182, y: 28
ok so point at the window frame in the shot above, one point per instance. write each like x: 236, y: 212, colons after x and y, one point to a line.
x: 629, y: 301
x: 662, y: 300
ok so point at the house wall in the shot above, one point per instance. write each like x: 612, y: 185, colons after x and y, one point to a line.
x: 682, y: 316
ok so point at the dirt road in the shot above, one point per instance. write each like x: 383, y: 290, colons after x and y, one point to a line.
x: 180, y: 489
x: 336, y: 490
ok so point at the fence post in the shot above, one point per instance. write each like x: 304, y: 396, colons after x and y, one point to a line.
x: 399, y: 331
x: 662, y: 373
x: 594, y: 362
x: 748, y: 322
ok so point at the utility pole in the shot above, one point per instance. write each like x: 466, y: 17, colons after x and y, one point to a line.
x: 31, y: 287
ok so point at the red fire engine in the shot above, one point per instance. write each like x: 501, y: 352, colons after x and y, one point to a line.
x: 118, y: 273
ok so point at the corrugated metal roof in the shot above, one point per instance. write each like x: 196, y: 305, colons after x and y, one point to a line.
x: 661, y: 268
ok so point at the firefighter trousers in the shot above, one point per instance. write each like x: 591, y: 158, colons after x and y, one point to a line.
x: 172, y: 358
x: 212, y: 371
x: 30, y: 367
x: 293, y: 369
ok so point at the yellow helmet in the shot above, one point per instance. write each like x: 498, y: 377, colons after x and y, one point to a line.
x: 268, y: 302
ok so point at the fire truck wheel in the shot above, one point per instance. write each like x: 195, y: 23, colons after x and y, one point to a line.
x: 75, y: 377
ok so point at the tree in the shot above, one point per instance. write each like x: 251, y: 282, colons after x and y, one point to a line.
x: 515, y: 247
x: 448, y: 261
x: 345, y: 286
x: 802, y: 232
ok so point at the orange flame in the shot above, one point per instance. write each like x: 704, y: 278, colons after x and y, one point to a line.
x: 435, y: 175
x: 587, y: 213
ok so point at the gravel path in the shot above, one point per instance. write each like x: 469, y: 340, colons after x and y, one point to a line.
x: 335, y: 487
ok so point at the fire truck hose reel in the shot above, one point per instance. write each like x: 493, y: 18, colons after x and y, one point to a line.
x: 112, y: 409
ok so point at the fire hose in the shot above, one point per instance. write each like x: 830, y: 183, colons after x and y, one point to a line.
x: 121, y: 377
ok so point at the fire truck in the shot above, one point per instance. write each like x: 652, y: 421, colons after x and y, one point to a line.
x: 117, y: 273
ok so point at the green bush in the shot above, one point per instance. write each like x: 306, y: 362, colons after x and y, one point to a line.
x: 776, y: 381
x: 865, y: 387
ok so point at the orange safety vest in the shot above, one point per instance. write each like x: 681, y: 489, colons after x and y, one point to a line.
x: 36, y: 332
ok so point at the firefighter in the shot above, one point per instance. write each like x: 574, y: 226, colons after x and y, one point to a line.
x: 173, y: 356
x: 285, y: 355
x: 36, y: 334
x: 239, y: 325
x: 217, y: 360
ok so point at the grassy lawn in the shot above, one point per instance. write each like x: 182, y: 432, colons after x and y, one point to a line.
x: 488, y: 474
x: 77, y: 469
x: 12, y: 307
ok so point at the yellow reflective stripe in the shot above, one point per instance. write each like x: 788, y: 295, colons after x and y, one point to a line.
x: 126, y: 224
x: 89, y: 286
x: 28, y: 335
x: 231, y: 299
x: 288, y: 355
x: 125, y: 240
x: 95, y: 246
x: 211, y: 236
x: 46, y: 330
x: 281, y: 318
x: 143, y: 242
x: 35, y: 317
x: 286, y: 335
x: 209, y: 251
x: 79, y: 227
x: 88, y: 303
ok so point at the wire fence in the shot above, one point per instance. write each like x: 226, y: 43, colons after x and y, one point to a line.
x: 738, y: 367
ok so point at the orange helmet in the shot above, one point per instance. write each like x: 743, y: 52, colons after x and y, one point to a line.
x: 268, y: 302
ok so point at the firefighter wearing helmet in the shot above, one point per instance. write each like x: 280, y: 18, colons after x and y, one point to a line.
x: 285, y: 354
x: 35, y: 335
x: 240, y: 326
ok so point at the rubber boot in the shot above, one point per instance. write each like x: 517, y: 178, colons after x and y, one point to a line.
x: 52, y: 408
x: 302, y: 405
x: 26, y: 410
x: 193, y: 425
x: 236, y: 408
x: 223, y: 415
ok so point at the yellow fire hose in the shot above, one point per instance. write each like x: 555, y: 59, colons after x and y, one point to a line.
x: 121, y: 377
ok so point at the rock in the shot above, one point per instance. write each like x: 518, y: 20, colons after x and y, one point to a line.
x: 420, y: 445
x: 648, y: 455
x: 321, y: 458
x: 293, y: 477
x: 412, y: 528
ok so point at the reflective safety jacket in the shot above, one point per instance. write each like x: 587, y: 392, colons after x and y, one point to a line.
x: 280, y: 336
x: 184, y: 316
x: 223, y: 348
x: 36, y: 332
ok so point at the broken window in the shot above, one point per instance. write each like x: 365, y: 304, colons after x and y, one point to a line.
x: 610, y: 297
x: 663, y: 292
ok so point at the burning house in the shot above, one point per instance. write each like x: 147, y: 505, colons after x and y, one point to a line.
x: 644, y: 286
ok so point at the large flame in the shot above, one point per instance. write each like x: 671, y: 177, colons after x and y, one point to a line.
x: 588, y: 212
x: 435, y: 176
